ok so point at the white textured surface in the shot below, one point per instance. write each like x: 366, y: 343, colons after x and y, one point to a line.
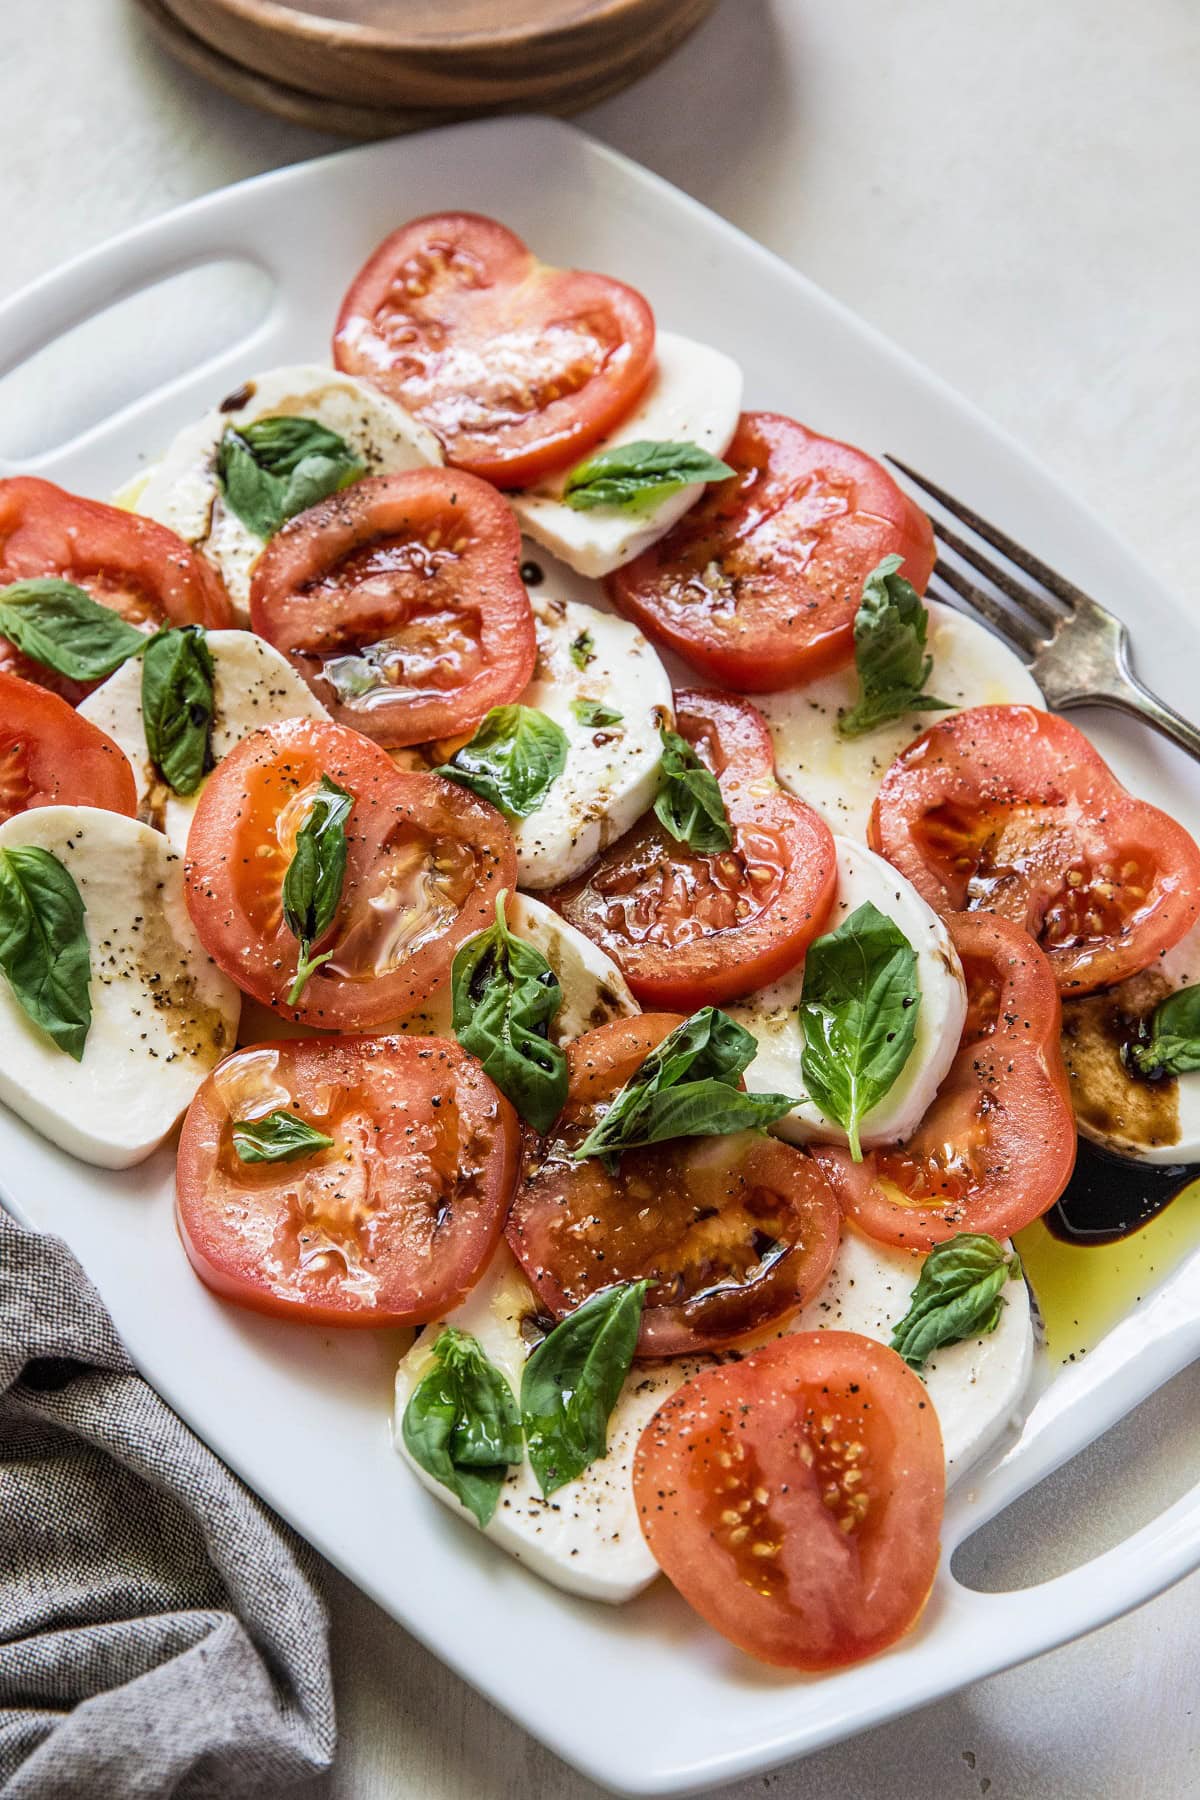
x: 1005, y: 190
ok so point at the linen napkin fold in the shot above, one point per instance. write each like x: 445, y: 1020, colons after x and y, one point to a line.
x: 160, y: 1632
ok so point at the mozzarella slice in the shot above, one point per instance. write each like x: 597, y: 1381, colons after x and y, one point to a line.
x: 252, y: 685
x: 182, y: 490
x: 694, y: 396
x: 772, y: 1016
x: 612, y: 771
x: 163, y: 1015
x: 840, y: 776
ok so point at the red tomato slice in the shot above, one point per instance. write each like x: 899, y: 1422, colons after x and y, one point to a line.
x: 49, y: 756
x: 688, y: 930
x: 390, y: 1226
x: 1010, y: 810
x: 996, y: 1148
x: 400, y: 602
x: 518, y: 368
x: 735, y: 1232
x: 795, y: 1498
x: 425, y: 861
x: 758, y: 584
x: 133, y: 564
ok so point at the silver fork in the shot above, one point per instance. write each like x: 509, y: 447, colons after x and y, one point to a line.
x: 1076, y: 650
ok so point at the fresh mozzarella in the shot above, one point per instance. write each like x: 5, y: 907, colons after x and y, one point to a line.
x: 163, y: 1015
x: 772, y: 1016
x: 694, y: 396
x: 183, y: 491
x: 252, y: 686
x: 840, y: 776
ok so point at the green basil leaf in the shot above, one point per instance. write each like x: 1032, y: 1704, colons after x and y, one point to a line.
x: 462, y: 1425
x: 277, y: 1137
x: 689, y: 804
x: 60, y: 626
x: 595, y: 713
x: 1172, y: 1046
x: 957, y: 1296
x: 178, y: 705
x: 277, y: 467
x: 637, y: 477
x: 858, y: 1011
x: 572, y: 1382
x: 44, y: 946
x: 890, y: 628
x: 513, y: 760
x: 583, y: 649
x: 504, y: 995
x: 312, y: 886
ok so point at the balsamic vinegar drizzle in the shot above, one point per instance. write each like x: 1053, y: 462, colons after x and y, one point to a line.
x: 1109, y: 1197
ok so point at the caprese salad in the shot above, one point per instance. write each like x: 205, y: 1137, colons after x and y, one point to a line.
x: 380, y: 795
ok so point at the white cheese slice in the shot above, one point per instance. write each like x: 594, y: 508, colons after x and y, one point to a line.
x: 163, y: 1014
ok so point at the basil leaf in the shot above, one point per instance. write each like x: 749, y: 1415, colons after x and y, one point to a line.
x: 278, y: 1137
x: 504, y: 995
x: 686, y: 1087
x: 43, y: 945
x: 513, y: 760
x: 858, y: 1011
x: 461, y: 1423
x: 572, y: 1381
x: 890, y: 628
x: 312, y: 886
x: 957, y: 1296
x: 583, y: 649
x: 178, y: 705
x: 1173, y: 1044
x: 277, y: 467
x: 62, y: 627
x: 636, y: 477
x: 594, y: 712
x: 689, y: 804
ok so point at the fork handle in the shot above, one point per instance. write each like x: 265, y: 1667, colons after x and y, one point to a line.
x: 1128, y: 695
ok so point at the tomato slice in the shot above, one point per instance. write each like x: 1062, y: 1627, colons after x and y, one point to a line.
x: 997, y: 1147
x: 1010, y: 810
x: 758, y: 584
x: 686, y: 929
x: 133, y: 564
x: 795, y: 1498
x: 734, y: 1232
x: 425, y: 861
x: 518, y: 368
x: 400, y: 602
x: 49, y: 756
x: 393, y: 1224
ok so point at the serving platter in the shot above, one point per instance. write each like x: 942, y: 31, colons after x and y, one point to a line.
x: 644, y: 1699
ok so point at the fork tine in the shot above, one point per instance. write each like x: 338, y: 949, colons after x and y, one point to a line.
x: 1016, y: 632
x: 1048, y: 616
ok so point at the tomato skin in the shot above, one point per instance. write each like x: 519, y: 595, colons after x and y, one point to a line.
x: 1003, y: 1112
x: 382, y: 1229
x: 575, y: 1228
x: 669, y: 917
x: 50, y: 756
x: 376, y: 566
x: 837, y: 1552
x: 128, y: 562
x: 519, y: 368
x: 758, y: 584
x: 1011, y: 810
x: 425, y: 861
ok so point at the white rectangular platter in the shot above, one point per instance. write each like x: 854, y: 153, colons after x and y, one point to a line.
x: 645, y: 1699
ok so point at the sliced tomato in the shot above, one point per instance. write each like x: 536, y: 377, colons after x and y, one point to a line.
x: 390, y: 1225
x: 758, y: 584
x: 400, y: 602
x: 133, y: 564
x: 688, y: 929
x: 49, y: 756
x: 997, y: 1147
x: 425, y: 861
x: 1010, y: 810
x: 795, y: 1498
x: 518, y: 368
x: 735, y: 1232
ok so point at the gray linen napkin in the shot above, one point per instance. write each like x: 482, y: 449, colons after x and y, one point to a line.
x: 160, y: 1633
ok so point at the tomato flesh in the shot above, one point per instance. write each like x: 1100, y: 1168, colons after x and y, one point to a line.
x: 49, y: 756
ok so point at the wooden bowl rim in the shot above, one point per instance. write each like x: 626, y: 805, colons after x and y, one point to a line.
x: 264, y: 13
